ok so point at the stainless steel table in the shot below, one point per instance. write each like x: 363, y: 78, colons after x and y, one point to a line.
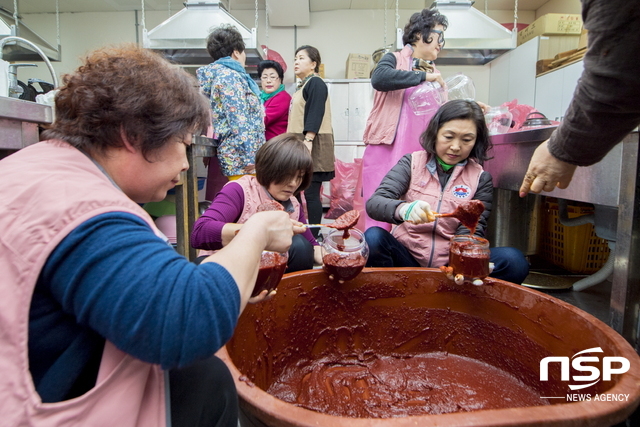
x: 187, y: 194
x: 615, y: 181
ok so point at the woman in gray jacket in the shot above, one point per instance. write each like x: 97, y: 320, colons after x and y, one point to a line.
x: 448, y: 173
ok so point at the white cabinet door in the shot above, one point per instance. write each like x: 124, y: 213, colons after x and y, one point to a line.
x: 549, y: 94
x: 360, y: 104
x: 499, y: 80
x: 339, y: 96
x: 570, y: 79
x: 522, y: 72
x: 554, y: 90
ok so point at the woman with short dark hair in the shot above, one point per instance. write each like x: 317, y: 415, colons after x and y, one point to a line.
x: 393, y: 129
x: 310, y: 117
x: 446, y: 173
x: 236, y: 110
x: 284, y: 168
x: 103, y: 322
x: 275, y: 98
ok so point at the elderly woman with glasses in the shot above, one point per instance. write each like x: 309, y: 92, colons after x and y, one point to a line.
x: 392, y: 129
x: 276, y: 100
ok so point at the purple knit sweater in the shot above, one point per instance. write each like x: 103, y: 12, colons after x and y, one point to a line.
x: 226, y: 208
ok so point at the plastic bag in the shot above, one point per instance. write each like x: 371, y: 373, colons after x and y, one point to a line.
x: 343, y: 187
x: 519, y: 113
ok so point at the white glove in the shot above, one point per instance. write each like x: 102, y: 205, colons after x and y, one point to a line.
x: 417, y: 212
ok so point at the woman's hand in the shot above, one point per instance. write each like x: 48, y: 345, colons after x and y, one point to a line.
x: 275, y: 226
x: 265, y: 295
x: 545, y: 172
x: 435, y: 77
x: 416, y: 212
x: 485, y: 107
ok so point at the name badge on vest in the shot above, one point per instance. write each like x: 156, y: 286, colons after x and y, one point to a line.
x: 461, y: 191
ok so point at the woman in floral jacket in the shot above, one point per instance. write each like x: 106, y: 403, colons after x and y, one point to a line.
x: 237, y: 112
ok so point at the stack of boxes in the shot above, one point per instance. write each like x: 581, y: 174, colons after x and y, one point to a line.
x: 560, y: 33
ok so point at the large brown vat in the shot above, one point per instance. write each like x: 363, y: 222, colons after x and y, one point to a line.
x: 407, y: 312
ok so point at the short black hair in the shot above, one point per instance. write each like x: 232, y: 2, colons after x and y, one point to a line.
x: 281, y: 158
x: 267, y: 63
x: 313, y: 54
x: 223, y: 40
x: 459, y: 109
x: 420, y: 25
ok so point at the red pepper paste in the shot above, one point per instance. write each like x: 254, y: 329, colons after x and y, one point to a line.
x: 272, y: 267
x: 271, y: 205
x: 343, y: 267
x: 465, y: 259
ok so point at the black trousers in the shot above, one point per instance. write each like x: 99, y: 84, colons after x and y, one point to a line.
x: 203, y: 395
x: 314, y: 205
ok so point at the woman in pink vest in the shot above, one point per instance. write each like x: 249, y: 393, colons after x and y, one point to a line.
x: 284, y: 168
x: 103, y: 323
x: 392, y: 128
x: 442, y: 176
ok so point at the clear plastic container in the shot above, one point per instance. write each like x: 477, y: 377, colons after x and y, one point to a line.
x: 460, y: 86
x: 469, y: 258
x: 427, y: 98
x: 272, y: 267
x: 343, y: 259
x: 498, y: 120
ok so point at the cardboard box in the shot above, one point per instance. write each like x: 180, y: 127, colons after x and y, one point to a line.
x: 358, y: 66
x: 552, y: 24
x: 542, y: 65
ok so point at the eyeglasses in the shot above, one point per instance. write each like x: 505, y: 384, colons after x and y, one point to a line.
x: 266, y: 77
x: 440, y: 36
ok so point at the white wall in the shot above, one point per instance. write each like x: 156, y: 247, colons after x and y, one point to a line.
x: 335, y: 33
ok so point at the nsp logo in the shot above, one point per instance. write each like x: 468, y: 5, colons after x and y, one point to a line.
x: 577, y: 363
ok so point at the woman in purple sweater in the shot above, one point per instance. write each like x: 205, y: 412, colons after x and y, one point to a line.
x: 283, y: 169
x: 276, y: 100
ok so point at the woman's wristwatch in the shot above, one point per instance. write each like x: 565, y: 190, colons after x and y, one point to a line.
x: 307, y: 139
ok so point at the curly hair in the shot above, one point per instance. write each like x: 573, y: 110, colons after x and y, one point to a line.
x: 281, y: 158
x: 267, y: 64
x: 459, y: 109
x: 127, y: 92
x: 223, y: 40
x: 420, y: 25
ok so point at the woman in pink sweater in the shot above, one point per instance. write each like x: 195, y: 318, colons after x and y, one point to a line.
x: 276, y: 100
